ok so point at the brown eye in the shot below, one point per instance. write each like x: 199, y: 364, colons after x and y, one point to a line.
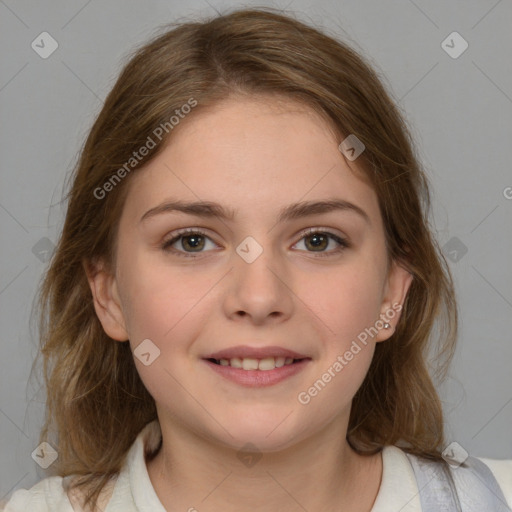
x: 319, y: 241
x: 193, y: 242
x: 187, y: 242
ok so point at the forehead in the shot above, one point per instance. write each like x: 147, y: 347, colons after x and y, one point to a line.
x: 251, y: 154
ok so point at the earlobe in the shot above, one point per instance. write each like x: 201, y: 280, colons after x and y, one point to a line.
x: 397, y: 286
x: 106, y: 300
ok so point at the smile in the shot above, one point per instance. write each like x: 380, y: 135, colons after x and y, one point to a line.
x: 251, y: 372
x: 249, y: 363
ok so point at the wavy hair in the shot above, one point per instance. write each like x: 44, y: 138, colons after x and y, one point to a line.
x: 97, y: 403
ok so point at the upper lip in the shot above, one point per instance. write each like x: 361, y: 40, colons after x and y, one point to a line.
x: 244, y: 351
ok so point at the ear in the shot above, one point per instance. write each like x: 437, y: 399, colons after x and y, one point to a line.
x: 397, y: 285
x: 106, y: 300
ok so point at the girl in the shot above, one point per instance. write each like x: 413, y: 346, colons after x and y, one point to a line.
x: 238, y: 310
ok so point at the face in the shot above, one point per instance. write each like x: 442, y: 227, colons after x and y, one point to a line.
x: 276, y: 277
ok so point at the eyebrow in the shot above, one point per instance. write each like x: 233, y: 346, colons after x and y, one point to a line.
x: 209, y: 209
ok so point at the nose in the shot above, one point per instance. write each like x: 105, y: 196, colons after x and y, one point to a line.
x: 259, y: 291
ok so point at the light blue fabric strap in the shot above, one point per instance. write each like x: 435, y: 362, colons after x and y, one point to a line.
x: 471, y: 487
x: 475, y: 475
x: 437, y: 494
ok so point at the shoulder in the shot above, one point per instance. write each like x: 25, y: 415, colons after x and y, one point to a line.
x: 48, y: 495
x: 502, y: 471
x: 52, y: 494
x: 401, y: 490
x: 481, y: 481
x: 398, y: 489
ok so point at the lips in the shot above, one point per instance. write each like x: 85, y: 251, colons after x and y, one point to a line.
x: 254, y: 373
x: 246, y: 352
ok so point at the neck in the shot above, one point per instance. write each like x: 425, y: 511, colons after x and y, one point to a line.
x: 320, y: 473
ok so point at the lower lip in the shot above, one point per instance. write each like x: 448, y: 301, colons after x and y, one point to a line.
x: 258, y: 378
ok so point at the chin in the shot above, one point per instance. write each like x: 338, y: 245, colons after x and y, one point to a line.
x: 269, y: 431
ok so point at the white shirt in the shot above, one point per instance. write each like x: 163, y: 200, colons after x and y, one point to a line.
x: 132, y: 491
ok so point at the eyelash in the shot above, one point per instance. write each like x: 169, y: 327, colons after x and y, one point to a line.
x: 343, y: 242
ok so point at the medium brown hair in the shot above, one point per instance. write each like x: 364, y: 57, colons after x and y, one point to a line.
x: 97, y: 403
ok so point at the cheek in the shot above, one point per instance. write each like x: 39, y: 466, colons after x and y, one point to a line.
x: 346, y: 302
x: 157, y: 307
x: 162, y: 303
x: 348, y: 306
x: 163, y: 307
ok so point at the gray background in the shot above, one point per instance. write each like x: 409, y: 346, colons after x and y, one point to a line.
x: 460, y: 110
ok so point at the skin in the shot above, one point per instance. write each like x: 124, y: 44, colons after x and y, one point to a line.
x: 255, y: 155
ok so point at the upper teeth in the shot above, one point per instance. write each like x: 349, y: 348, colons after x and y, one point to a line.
x: 248, y: 363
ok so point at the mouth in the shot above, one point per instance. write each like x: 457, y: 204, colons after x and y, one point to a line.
x: 257, y: 366
x: 250, y: 363
x: 255, y: 358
